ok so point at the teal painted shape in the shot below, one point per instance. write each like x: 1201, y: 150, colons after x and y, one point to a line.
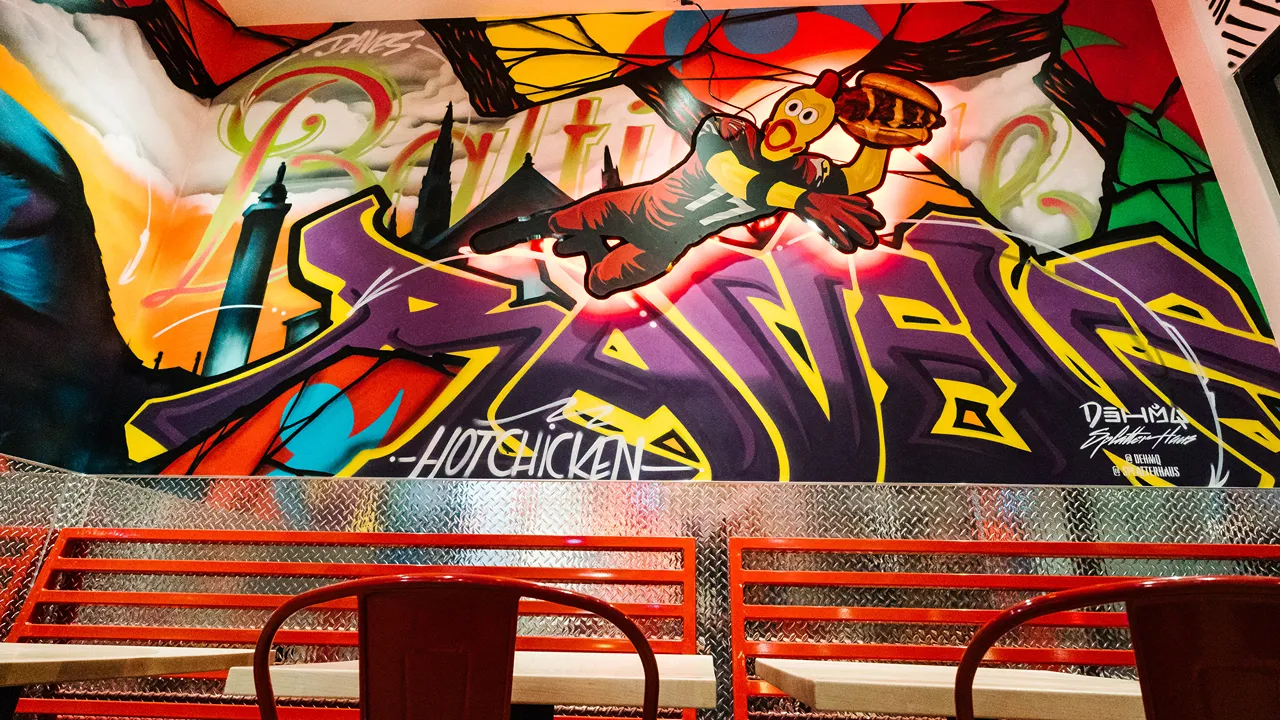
x: 318, y: 429
x: 27, y: 260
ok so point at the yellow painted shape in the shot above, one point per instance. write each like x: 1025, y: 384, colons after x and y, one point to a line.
x: 418, y: 304
x: 775, y: 318
x: 805, y: 134
x: 606, y: 418
x: 613, y: 32
x: 783, y: 195
x: 1134, y: 474
x: 1254, y: 430
x: 1200, y: 315
x: 786, y: 315
x: 717, y: 360
x: 731, y: 174
x: 1173, y: 248
x: 953, y: 390
x: 616, y: 32
x: 868, y: 169
x: 620, y: 348
x: 528, y: 48
x: 879, y: 388
x: 913, y: 314
x: 141, y: 446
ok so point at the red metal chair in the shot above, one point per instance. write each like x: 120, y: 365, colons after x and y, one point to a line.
x: 1206, y: 648
x: 454, y: 634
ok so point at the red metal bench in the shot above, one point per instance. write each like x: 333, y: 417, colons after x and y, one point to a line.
x: 920, y: 600
x: 214, y: 587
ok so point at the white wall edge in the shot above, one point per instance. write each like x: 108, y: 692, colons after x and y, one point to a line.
x: 1238, y: 163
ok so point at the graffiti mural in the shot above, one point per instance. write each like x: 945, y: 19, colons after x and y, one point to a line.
x: 1244, y: 25
x: 942, y: 243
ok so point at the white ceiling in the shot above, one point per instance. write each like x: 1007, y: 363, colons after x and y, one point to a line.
x: 288, y: 12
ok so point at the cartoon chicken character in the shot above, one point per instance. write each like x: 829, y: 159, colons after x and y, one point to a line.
x: 736, y: 173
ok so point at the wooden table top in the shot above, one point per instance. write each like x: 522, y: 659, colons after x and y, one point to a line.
x: 540, y: 678
x: 37, y: 664
x: 831, y: 685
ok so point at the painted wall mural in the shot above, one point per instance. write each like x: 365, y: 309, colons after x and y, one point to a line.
x: 940, y: 243
x: 1243, y: 25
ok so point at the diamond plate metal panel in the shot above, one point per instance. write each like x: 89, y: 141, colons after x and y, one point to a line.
x: 709, y: 512
x: 31, y: 497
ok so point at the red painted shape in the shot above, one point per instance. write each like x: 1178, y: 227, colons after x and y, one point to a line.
x: 223, y: 50
x: 742, y: 613
x: 252, y: 444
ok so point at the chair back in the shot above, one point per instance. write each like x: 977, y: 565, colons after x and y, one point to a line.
x: 437, y: 651
x: 440, y: 646
x: 1206, y: 648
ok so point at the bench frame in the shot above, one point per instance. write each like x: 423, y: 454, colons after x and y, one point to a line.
x: 745, y: 687
x: 63, y: 558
